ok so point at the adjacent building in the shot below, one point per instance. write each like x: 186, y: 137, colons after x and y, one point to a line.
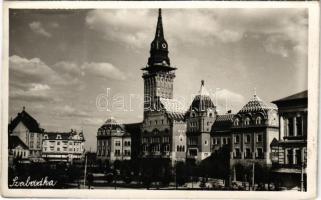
x: 18, y: 149
x: 221, y: 131
x: 63, y: 146
x: 113, y: 142
x: 28, y: 130
x: 253, y: 130
x: 199, y: 120
x: 291, y: 155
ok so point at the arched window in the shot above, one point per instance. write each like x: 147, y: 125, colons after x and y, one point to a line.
x: 247, y: 121
x: 236, y: 121
x: 258, y: 120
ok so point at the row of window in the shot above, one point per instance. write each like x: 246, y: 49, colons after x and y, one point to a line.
x: 294, y: 126
x: 155, y: 139
x: 106, y: 131
x: 247, y: 139
x: 247, y: 121
x: 180, y: 148
x: 209, y: 114
x: 52, y: 148
x: 117, y: 152
x: 155, y: 148
x: 157, y: 122
x: 248, y: 154
x: 218, y: 141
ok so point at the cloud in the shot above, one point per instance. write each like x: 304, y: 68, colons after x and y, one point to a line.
x: 25, y: 73
x: 69, y: 111
x: 39, y: 87
x: 205, y: 26
x: 228, y: 99
x: 38, y: 28
x: 105, y: 70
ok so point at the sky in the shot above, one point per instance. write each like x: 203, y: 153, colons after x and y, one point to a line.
x: 64, y: 62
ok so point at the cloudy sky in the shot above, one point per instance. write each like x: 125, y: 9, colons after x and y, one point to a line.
x: 62, y: 60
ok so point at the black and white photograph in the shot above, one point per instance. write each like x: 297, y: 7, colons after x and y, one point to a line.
x: 161, y: 98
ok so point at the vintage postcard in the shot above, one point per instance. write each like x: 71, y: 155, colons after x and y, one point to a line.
x: 160, y: 100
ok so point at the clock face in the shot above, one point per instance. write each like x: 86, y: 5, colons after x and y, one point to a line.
x: 164, y: 45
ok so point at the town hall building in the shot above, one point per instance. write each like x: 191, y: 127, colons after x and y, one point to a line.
x: 169, y: 131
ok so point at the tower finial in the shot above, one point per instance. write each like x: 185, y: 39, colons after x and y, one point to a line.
x: 202, y: 82
x: 255, y: 91
x: 23, y: 108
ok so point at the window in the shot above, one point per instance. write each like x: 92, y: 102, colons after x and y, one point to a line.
x: 259, y: 153
x: 258, y: 120
x: 298, y: 157
x: 65, y: 148
x: 150, y: 122
x: 45, y: 148
x: 127, y: 152
x: 236, y: 139
x: 166, y: 148
x: 117, y: 143
x: 247, y: 121
x: 58, y: 136
x: 248, y: 153
x: 237, y: 153
x: 58, y: 149
x: 248, y: 139
x: 211, y: 115
x: 205, y: 142
x: 214, y: 141
x: 224, y: 141
x: 193, y: 152
x: 299, y: 127
x: 156, y: 122
x: 117, y: 152
x: 165, y: 139
x: 236, y: 122
x: 259, y: 138
x: 58, y: 143
x: 45, y: 136
x: 127, y: 143
x: 290, y: 127
x: 162, y: 121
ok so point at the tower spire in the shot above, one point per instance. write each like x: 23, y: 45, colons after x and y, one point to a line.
x: 159, y: 28
x: 159, y: 47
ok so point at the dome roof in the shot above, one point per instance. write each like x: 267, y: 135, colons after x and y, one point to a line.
x: 202, y: 101
x: 255, y: 104
x: 112, y: 123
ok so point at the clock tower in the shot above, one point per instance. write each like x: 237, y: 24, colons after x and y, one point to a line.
x: 158, y: 74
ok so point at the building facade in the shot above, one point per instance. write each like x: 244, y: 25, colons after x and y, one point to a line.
x: 163, y: 132
x: 199, y: 119
x: 253, y: 130
x: 221, y: 132
x: 18, y: 149
x: 113, y: 142
x: 28, y: 130
x: 291, y: 149
x: 63, y: 146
